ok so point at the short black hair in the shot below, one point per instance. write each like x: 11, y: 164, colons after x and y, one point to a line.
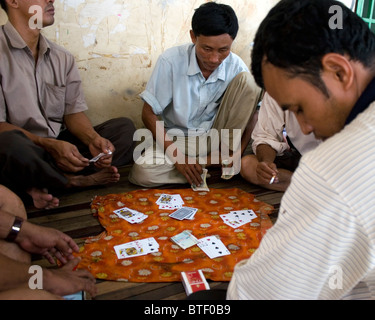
x: 213, y: 19
x: 296, y: 34
x: 4, y: 5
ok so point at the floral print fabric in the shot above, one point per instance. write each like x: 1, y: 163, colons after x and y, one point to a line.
x: 99, y: 257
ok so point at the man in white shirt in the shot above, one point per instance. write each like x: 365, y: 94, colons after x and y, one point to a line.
x: 274, y: 159
x: 323, y: 243
x: 195, y: 89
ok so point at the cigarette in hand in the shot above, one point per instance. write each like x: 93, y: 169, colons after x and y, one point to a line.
x: 272, y: 179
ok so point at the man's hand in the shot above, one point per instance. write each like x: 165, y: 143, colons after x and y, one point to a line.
x: 192, y: 172
x: 266, y: 171
x: 67, y: 280
x: 102, y: 145
x: 66, y: 155
x: 47, y: 242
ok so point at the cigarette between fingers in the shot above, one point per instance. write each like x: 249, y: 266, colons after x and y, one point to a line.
x: 272, y: 179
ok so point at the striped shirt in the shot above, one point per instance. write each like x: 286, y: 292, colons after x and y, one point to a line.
x: 323, y: 243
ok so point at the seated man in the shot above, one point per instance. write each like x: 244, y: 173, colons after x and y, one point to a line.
x: 45, y: 136
x: 19, y: 239
x: 205, y: 96
x: 274, y: 160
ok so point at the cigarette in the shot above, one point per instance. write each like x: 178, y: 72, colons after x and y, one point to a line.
x: 272, y: 179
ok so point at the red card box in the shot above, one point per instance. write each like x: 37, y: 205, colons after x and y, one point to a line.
x: 194, y: 281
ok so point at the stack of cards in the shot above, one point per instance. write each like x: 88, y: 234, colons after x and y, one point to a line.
x: 130, y: 215
x: 194, y: 281
x: 136, y: 248
x: 185, y: 239
x: 170, y: 201
x: 203, y: 186
x: 238, y: 218
x: 213, y: 247
x: 184, y: 213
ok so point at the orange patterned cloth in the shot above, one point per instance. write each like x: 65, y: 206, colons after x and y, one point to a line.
x: 99, y: 257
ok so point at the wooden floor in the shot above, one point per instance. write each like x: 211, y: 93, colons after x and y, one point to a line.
x: 74, y: 218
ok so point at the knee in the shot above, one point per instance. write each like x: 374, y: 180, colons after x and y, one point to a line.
x: 11, y: 203
x: 248, y: 165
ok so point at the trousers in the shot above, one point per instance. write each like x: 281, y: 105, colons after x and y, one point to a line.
x: 234, y: 113
x: 24, y: 165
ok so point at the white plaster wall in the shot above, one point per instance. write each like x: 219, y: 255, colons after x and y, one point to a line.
x: 117, y: 42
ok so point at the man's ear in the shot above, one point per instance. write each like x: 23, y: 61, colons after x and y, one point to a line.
x: 338, y: 67
x: 193, y: 37
x: 12, y: 3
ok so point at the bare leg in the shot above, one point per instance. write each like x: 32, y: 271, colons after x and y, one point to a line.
x: 105, y: 176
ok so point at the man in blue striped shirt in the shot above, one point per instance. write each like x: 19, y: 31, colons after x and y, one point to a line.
x: 316, y: 58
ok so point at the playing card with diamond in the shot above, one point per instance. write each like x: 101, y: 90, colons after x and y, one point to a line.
x: 129, y: 250
x: 170, y: 201
x: 130, y: 215
x: 213, y: 247
x: 136, y: 248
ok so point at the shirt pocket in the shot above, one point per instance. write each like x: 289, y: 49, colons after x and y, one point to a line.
x: 53, y: 101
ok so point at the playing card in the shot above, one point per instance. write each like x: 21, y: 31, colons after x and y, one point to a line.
x: 185, y: 239
x: 213, y: 247
x: 149, y: 245
x: 136, y: 248
x: 170, y: 201
x: 130, y: 215
x: 203, y: 186
x: 184, y: 213
x: 102, y: 154
x: 238, y: 218
x: 129, y: 250
x: 246, y: 215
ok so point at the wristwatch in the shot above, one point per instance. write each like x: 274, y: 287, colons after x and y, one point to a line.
x: 16, y: 227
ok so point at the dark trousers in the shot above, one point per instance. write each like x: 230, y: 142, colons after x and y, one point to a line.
x: 24, y: 165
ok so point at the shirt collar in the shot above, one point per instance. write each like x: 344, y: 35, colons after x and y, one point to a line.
x: 367, y: 97
x: 17, y: 42
x: 193, y: 69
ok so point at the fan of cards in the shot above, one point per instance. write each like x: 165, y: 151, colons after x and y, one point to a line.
x: 136, y: 248
x: 238, y: 218
x: 170, y: 201
x: 130, y: 215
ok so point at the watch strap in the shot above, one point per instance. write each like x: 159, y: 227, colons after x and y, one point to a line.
x: 16, y: 227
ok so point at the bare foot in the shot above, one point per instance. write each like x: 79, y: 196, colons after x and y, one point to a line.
x: 102, y: 177
x: 42, y: 199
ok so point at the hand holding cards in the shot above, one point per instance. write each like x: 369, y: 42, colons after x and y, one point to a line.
x: 100, y: 155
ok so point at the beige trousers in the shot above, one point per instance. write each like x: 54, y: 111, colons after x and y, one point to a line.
x: 239, y: 103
